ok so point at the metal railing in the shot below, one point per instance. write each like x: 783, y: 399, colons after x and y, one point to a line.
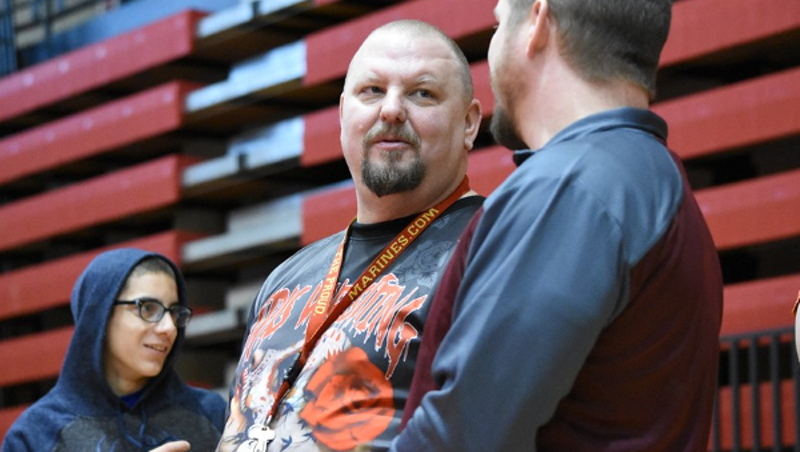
x: 758, y: 405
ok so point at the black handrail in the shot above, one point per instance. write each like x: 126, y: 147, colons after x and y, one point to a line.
x: 753, y: 360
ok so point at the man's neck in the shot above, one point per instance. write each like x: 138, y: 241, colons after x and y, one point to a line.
x: 372, y: 209
x: 567, y: 98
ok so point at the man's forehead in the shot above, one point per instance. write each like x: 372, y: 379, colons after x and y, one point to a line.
x: 404, y: 42
x: 421, y: 74
x: 419, y: 56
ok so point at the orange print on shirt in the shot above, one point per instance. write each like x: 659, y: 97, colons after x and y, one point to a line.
x: 350, y: 401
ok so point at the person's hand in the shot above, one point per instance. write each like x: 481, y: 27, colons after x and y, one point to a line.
x: 172, y: 446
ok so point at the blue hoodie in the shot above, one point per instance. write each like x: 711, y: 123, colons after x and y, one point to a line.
x: 82, y: 413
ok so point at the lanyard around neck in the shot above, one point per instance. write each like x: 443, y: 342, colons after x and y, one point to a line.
x: 323, y: 316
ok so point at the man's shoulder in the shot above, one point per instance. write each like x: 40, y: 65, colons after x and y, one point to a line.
x: 463, y: 210
x: 323, y: 248
x: 303, y: 265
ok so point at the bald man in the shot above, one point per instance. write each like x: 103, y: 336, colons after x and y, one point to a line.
x: 333, y: 334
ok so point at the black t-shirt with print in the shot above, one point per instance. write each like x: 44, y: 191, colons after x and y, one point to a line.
x: 353, y: 388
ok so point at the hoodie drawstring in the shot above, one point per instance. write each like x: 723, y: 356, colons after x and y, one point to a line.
x: 144, y: 442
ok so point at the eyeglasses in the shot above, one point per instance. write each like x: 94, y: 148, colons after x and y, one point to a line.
x: 152, y: 310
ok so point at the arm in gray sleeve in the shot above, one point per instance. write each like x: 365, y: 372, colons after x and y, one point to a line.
x: 545, y: 274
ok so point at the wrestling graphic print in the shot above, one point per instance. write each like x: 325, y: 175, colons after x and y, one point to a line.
x: 343, y: 397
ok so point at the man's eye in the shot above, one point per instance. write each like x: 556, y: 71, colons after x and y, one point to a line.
x: 372, y: 90
x: 423, y: 93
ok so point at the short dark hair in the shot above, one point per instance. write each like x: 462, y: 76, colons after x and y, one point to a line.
x: 609, y: 39
x: 151, y: 264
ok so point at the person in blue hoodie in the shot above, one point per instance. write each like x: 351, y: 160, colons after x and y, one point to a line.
x: 118, y: 390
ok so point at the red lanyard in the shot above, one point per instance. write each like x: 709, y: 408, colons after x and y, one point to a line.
x: 322, y: 316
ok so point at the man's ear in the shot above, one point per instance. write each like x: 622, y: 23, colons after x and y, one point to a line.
x: 472, y: 123
x: 341, y: 106
x: 538, y: 26
x: 341, y: 116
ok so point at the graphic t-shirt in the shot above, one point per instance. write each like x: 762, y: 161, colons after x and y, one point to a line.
x: 353, y: 388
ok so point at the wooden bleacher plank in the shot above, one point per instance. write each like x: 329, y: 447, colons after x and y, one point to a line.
x: 234, y: 20
x: 35, y: 356
x: 765, y: 412
x: 212, y: 174
x: 759, y: 305
x: 753, y: 212
x: 217, y: 326
x: 321, y: 142
x: 253, y: 229
x: 113, y: 196
x: 272, y: 146
x: 268, y: 149
x: 704, y: 27
x: 747, y: 113
x: 272, y: 73
x: 129, y: 120
x: 98, y: 64
x: 327, y: 211
x: 48, y: 285
x: 329, y: 51
x: 240, y: 20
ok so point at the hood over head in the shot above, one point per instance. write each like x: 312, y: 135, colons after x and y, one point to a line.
x: 82, y: 383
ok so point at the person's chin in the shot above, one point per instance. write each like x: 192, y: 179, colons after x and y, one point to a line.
x: 152, y: 371
x: 503, y: 131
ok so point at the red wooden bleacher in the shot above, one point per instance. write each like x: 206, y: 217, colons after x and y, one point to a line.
x: 754, y: 211
x: 96, y: 65
x: 45, y: 286
x: 764, y: 109
x: 89, y: 133
x: 759, y: 305
x: 707, y: 27
x: 35, y: 357
x: 110, y: 197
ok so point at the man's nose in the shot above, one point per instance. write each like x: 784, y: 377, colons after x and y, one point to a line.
x: 393, y: 108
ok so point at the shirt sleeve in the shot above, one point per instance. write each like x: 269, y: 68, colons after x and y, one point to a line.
x: 545, y: 275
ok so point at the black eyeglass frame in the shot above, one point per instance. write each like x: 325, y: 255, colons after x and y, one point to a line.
x: 175, y: 311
